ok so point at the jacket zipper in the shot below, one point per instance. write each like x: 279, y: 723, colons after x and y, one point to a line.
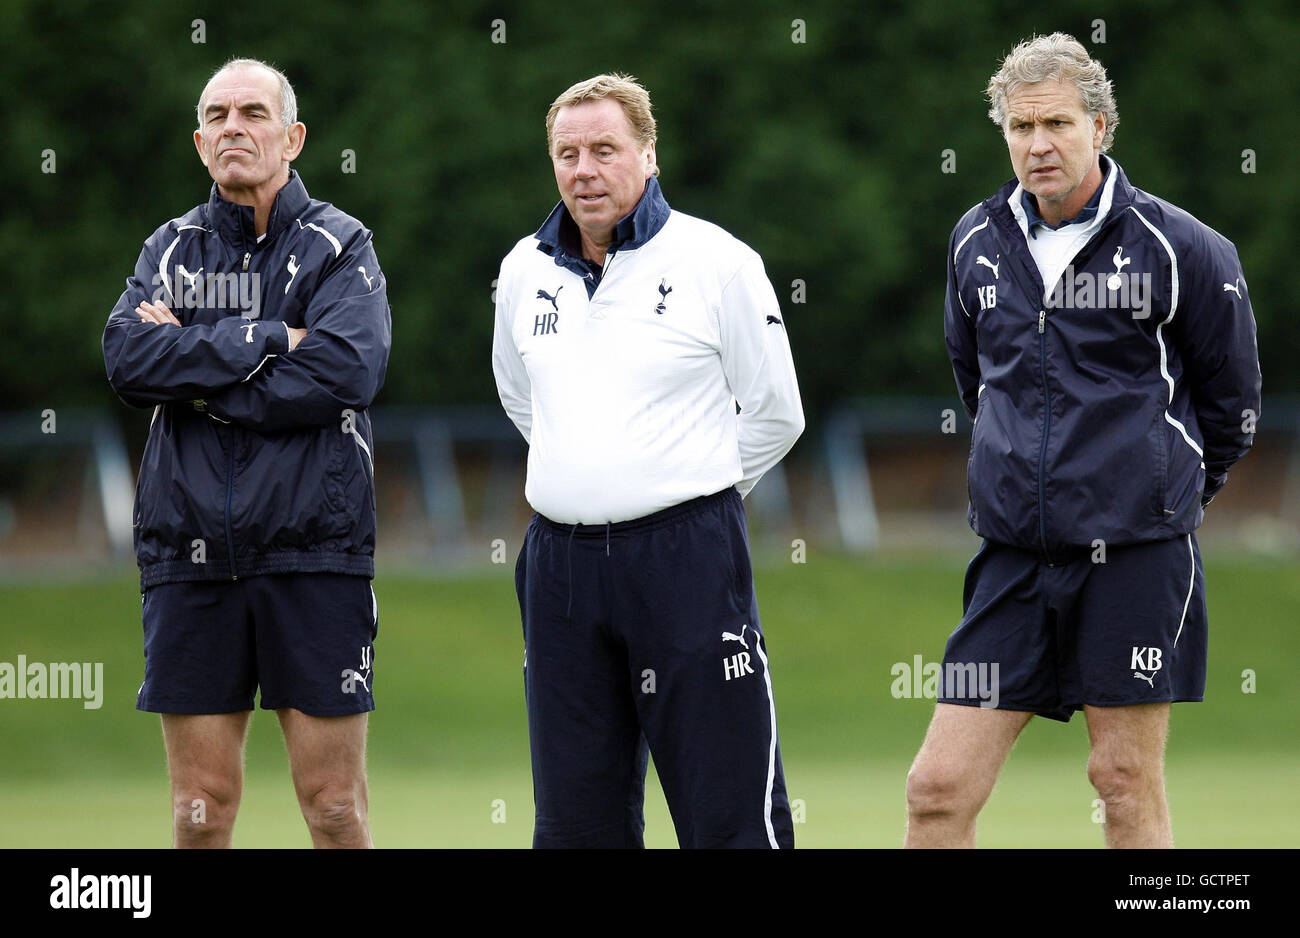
x: 1031, y: 269
x: 230, y: 491
x: 230, y: 475
x: 230, y: 479
x: 1096, y: 238
x: 1047, y: 427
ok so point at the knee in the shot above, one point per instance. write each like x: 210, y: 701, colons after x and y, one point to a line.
x: 335, y: 810
x: 205, y: 809
x: 935, y: 791
x: 1120, y: 779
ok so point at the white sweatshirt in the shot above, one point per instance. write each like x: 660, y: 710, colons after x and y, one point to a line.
x: 628, y: 399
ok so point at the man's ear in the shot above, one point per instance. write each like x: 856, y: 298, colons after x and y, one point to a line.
x: 1098, y: 130
x: 296, y: 135
x: 652, y: 165
x: 198, y: 145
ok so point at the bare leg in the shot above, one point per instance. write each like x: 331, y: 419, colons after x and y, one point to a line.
x: 205, y: 759
x: 327, y: 756
x: 955, y: 771
x: 1127, y: 767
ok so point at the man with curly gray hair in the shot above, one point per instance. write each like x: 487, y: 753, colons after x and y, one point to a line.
x: 1104, y: 346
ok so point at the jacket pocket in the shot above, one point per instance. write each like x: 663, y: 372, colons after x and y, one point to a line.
x: 296, y: 493
x: 974, y: 442
x: 1158, y: 444
x: 338, y: 446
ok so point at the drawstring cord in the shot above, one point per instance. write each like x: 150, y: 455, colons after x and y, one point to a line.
x: 568, y: 556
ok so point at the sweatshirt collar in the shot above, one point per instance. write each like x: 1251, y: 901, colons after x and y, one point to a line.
x: 559, y: 235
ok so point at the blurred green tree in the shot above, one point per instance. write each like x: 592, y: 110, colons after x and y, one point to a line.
x: 825, y: 155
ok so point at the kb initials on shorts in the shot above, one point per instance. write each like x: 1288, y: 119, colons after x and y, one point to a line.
x: 1152, y: 655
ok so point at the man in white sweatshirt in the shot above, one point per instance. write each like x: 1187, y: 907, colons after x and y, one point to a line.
x: 642, y: 354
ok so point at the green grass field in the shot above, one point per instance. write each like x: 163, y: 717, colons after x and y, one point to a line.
x: 449, y: 738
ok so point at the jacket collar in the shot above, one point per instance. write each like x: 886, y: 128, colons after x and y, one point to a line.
x: 559, y: 237
x: 1086, y: 214
x: 235, y: 222
x: 1115, y: 195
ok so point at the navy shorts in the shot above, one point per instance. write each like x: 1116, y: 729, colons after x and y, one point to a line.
x: 1052, y: 638
x: 307, y: 639
x: 643, y: 637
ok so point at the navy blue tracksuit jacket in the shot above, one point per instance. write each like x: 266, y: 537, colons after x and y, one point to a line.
x: 1090, y: 421
x: 262, y: 455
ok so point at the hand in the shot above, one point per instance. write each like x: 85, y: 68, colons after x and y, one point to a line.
x: 156, y: 313
x: 295, y: 336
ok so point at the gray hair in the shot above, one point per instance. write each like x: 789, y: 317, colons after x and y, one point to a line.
x: 288, y: 100
x: 1059, y: 56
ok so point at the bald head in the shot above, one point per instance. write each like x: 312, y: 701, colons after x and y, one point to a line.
x: 279, y: 92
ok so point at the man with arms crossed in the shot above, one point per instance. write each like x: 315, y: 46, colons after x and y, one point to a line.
x: 627, y: 334
x: 1103, y: 342
x: 257, y: 327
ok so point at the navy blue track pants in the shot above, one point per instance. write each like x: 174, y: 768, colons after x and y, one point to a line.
x: 641, y: 638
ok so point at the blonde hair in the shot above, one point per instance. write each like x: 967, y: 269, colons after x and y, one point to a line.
x: 1064, y: 58
x: 625, y: 89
